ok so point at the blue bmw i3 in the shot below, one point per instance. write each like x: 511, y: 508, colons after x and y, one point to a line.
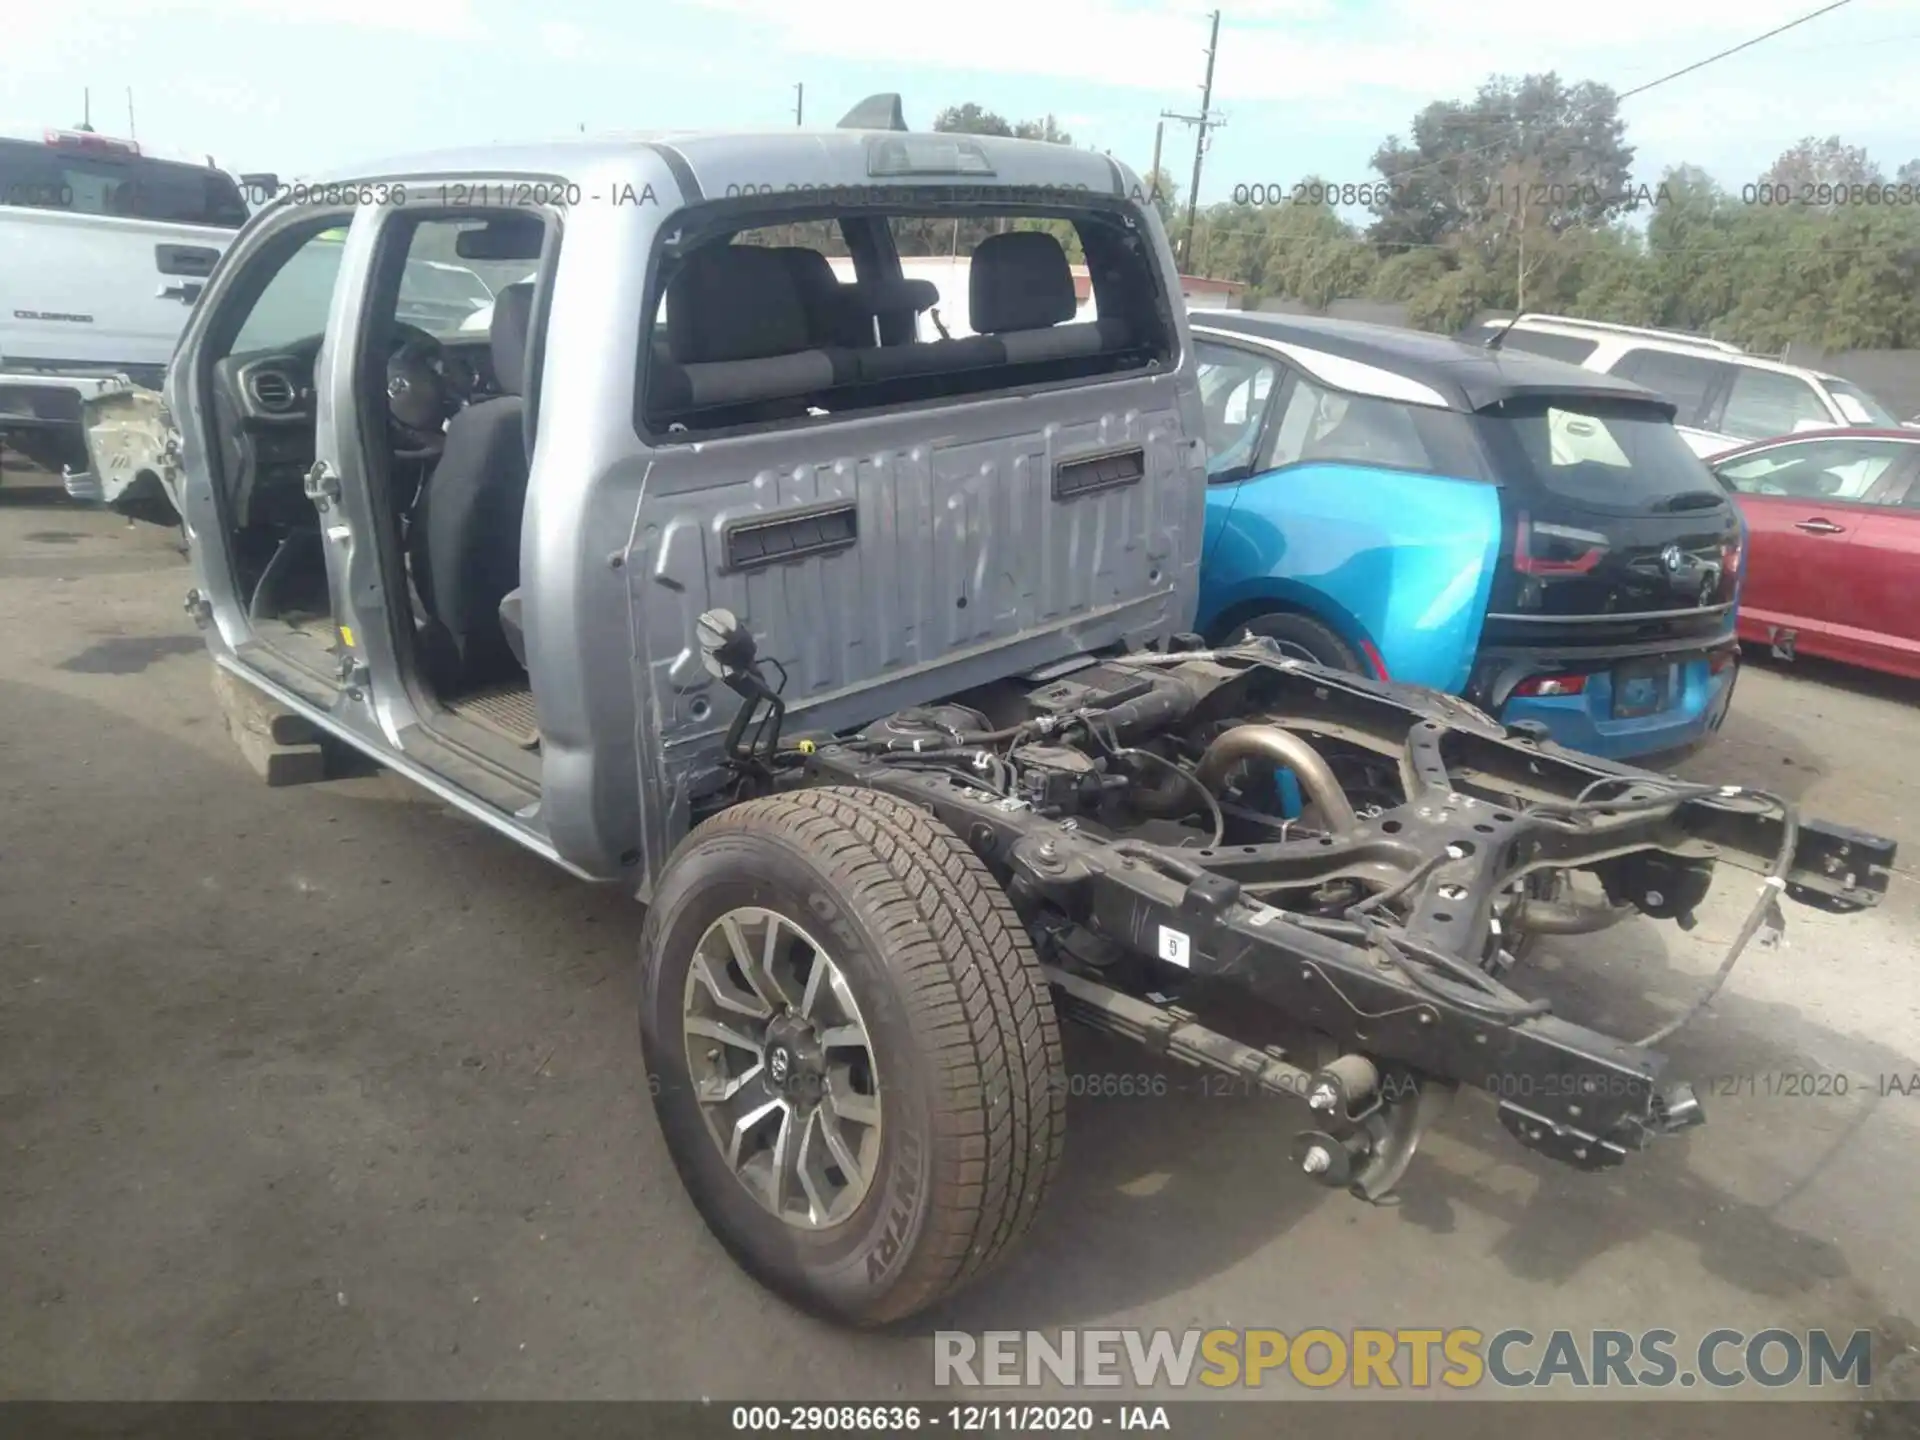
x: 1531, y: 536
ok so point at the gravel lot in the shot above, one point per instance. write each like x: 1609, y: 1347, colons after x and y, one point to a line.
x: 329, y: 1092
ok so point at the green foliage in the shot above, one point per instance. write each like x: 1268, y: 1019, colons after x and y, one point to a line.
x: 970, y: 119
x: 1519, y: 143
x: 1521, y: 197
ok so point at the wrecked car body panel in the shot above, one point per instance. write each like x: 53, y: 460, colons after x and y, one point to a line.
x: 134, y: 452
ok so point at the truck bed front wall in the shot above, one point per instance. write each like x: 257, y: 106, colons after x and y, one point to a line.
x: 922, y: 555
x: 891, y: 561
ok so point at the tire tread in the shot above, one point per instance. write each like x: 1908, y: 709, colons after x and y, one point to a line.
x: 978, y: 1004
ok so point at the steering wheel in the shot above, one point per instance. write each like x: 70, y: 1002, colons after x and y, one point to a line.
x: 420, y: 400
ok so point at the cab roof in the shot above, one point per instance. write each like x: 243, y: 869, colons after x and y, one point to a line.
x: 780, y: 160
x: 1458, y: 376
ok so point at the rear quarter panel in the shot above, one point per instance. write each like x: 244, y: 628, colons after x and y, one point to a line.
x: 1402, y: 560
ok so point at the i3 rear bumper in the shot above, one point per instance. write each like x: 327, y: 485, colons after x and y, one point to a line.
x: 1586, y: 721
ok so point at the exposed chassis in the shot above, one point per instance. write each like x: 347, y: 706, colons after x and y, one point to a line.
x: 1477, y: 821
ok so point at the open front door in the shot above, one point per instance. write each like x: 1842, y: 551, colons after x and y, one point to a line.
x: 252, y: 400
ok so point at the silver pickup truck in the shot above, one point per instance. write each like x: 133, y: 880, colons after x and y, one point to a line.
x: 862, y: 660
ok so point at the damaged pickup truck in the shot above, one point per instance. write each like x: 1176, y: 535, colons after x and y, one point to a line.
x: 863, y: 661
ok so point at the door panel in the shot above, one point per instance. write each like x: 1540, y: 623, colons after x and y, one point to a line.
x: 1805, y: 500
x: 1882, y: 595
x: 1795, y: 559
x: 92, y: 289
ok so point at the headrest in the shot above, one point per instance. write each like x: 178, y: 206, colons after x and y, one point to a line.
x: 734, y: 302
x: 896, y: 297
x: 512, y: 318
x: 831, y: 319
x: 1019, y: 281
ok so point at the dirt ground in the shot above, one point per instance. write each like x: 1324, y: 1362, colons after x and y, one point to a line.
x: 328, y: 1092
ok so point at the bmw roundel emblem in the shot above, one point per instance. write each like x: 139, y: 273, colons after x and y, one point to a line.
x: 1672, y: 558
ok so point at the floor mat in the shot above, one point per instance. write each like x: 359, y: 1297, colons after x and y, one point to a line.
x: 506, y: 709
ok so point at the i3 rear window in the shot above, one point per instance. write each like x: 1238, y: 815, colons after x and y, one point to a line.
x: 1318, y: 425
x: 1623, y: 458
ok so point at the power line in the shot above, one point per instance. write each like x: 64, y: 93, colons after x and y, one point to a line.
x: 1733, y: 50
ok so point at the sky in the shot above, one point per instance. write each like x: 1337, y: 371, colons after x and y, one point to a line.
x: 1308, y: 87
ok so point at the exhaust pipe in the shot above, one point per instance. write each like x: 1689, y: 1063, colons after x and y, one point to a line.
x: 1283, y: 747
x: 1565, y: 917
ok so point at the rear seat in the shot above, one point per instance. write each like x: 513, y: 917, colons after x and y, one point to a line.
x: 759, y: 333
x: 1020, y: 289
x: 835, y: 318
x: 737, y: 333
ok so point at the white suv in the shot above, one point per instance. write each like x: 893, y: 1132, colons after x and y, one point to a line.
x: 1723, y: 396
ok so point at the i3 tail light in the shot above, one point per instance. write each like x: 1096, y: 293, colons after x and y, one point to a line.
x: 1721, y: 660
x: 1730, y: 558
x: 1541, y: 549
x: 1543, y: 686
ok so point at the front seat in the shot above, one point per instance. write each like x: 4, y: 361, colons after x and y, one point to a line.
x: 464, y: 545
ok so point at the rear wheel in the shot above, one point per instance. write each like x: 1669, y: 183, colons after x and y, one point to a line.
x: 1304, y: 638
x: 852, y: 1051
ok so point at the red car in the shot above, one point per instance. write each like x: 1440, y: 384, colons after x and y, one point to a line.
x: 1833, y: 544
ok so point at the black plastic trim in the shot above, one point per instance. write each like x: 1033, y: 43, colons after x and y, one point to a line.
x: 1109, y: 470
x: 757, y: 541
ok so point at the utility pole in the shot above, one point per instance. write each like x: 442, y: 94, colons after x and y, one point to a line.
x: 1202, y: 123
x: 799, y: 101
x: 1153, y: 177
x: 132, y: 134
x: 86, y: 109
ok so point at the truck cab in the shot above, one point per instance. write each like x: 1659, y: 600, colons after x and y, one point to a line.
x: 387, y: 520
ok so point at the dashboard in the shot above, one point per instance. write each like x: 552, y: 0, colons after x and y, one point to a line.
x: 266, y: 407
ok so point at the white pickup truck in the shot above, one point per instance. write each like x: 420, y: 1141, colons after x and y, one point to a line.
x: 105, y: 250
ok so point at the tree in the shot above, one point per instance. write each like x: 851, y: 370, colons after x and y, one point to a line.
x: 1819, y: 166
x: 970, y: 119
x: 1043, y: 129
x: 1465, y: 159
x: 1613, y: 279
x: 1691, y: 247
